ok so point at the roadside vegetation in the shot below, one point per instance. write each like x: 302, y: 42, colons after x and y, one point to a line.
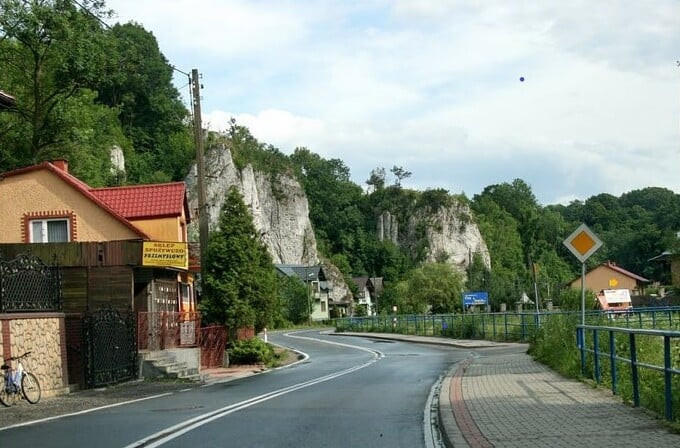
x: 253, y: 351
x: 555, y: 345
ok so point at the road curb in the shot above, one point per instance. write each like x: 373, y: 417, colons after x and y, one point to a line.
x: 451, y: 435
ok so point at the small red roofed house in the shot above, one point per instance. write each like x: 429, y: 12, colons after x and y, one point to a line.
x: 46, y: 204
x: 609, y: 276
x: 124, y: 248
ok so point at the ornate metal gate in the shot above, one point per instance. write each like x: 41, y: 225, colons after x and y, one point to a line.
x: 111, y: 348
x: 27, y: 284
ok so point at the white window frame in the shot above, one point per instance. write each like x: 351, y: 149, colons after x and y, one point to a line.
x: 43, y: 232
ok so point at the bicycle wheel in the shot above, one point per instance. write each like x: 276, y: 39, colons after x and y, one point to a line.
x: 7, y: 398
x: 30, y: 387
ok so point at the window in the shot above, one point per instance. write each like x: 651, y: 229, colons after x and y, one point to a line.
x: 49, y: 230
x: 323, y: 307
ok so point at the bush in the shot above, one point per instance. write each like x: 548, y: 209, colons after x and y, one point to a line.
x: 251, y: 351
x: 555, y: 344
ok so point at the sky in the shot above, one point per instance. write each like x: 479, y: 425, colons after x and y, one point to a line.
x: 434, y: 86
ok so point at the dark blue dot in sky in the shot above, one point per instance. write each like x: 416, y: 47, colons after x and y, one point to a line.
x: 521, y: 78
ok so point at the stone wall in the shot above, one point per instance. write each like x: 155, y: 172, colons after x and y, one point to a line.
x: 43, y: 335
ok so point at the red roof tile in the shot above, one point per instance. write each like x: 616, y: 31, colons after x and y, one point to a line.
x: 620, y: 270
x: 145, y: 201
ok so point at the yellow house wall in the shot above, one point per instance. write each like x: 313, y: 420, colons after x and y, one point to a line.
x: 599, y: 278
x: 163, y: 229
x: 42, y: 191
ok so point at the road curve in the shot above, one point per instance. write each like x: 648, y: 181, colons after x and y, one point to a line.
x: 349, y: 392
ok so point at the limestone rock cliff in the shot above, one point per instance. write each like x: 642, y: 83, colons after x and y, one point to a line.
x: 278, y: 205
x: 452, y: 234
x: 447, y: 233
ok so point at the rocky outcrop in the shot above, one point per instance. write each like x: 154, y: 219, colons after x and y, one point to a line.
x: 388, y: 227
x: 448, y: 233
x: 451, y: 234
x: 277, y: 204
x: 280, y: 212
x: 340, y: 289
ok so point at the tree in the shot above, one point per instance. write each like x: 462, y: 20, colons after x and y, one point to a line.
x: 433, y: 288
x: 138, y: 84
x: 477, y: 274
x: 334, y: 206
x: 49, y: 51
x: 239, y: 283
x: 376, y: 180
x: 293, y: 297
x: 399, y: 174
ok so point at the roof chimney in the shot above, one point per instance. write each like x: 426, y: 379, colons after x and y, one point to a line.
x: 62, y: 164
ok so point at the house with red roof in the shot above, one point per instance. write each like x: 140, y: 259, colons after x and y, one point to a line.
x: 118, y: 249
x: 610, y: 276
x: 44, y: 203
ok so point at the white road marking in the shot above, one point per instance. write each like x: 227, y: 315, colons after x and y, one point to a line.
x: 161, y: 437
x: 33, y: 422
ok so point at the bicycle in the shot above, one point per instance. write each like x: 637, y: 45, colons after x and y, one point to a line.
x: 18, y: 383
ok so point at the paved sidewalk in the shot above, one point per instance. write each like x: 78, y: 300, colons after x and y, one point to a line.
x: 503, y: 398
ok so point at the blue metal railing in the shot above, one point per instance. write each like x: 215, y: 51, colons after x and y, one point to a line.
x: 510, y: 326
x: 667, y: 368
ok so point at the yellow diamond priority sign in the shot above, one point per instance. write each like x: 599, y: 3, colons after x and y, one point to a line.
x: 583, y: 243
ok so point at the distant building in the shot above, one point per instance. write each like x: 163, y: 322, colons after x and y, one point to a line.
x: 368, y: 291
x: 610, y: 276
x: 318, y: 287
x: 614, y: 299
x: 673, y: 261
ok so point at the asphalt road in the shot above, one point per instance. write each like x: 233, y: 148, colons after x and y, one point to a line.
x: 350, y: 392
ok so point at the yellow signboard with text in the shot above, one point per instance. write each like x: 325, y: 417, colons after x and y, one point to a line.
x: 165, y: 254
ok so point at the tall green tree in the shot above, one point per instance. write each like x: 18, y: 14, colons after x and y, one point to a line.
x: 432, y: 288
x: 335, y: 206
x: 294, y: 300
x: 509, y: 276
x: 239, y: 284
x: 138, y: 84
x: 50, y: 50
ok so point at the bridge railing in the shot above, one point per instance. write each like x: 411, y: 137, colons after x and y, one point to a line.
x: 509, y: 326
x: 602, y: 343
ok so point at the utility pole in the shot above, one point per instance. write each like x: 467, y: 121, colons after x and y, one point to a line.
x: 200, y: 168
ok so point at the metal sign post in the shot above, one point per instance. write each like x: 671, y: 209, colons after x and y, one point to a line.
x: 583, y: 243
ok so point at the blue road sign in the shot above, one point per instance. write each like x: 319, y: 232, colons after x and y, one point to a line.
x: 475, y: 298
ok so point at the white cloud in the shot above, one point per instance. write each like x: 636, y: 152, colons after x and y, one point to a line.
x: 433, y: 85
x: 278, y: 127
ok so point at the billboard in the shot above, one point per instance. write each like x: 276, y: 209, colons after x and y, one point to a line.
x: 165, y: 253
x: 471, y: 298
x: 616, y: 295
